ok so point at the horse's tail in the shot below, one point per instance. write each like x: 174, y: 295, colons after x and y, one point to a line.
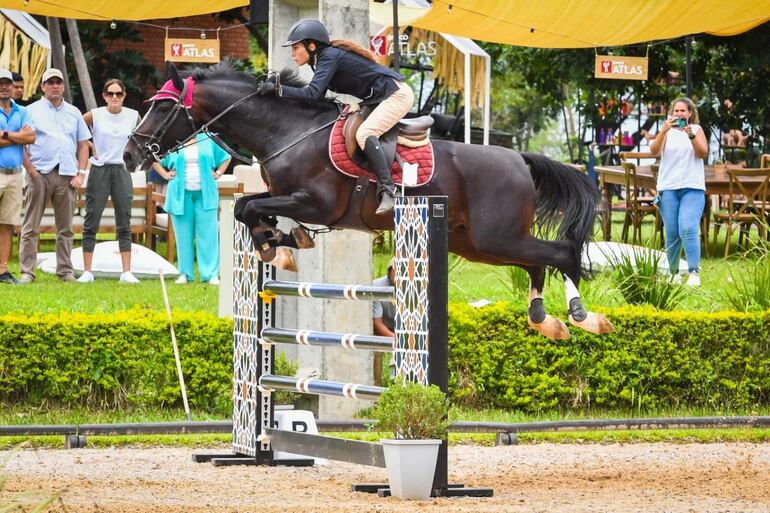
x: 566, y: 193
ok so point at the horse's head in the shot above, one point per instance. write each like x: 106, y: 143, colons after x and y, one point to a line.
x: 167, y: 123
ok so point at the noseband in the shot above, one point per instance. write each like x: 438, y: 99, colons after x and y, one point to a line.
x: 151, y: 146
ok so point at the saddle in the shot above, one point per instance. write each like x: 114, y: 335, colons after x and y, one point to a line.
x: 409, y: 132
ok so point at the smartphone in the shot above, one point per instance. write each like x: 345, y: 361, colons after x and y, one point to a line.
x: 681, y: 123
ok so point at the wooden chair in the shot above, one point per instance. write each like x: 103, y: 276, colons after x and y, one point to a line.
x: 158, y: 224
x: 764, y: 161
x: 748, y: 204
x: 639, y: 203
x: 638, y: 206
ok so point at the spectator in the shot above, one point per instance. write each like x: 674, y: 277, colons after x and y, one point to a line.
x: 111, y: 126
x: 18, y: 89
x: 682, y: 147
x: 384, y: 319
x: 16, y: 131
x: 192, y: 200
x: 56, y: 167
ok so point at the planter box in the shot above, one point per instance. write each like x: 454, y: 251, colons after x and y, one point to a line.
x: 411, y: 465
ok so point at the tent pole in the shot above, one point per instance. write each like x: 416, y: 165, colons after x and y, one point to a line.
x: 467, y: 98
x: 80, y: 64
x: 57, y: 53
x: 688, y: 65
x: 487, y: 86
x: 396, y: 40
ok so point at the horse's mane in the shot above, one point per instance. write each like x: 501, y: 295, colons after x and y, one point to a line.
x: 225, y: 69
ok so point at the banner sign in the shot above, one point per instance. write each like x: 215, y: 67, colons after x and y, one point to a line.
x: 621, y: 67
x: 192, y: 50
x: 382, y: 46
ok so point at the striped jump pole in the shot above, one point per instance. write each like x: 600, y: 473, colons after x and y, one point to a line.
x: 326, y: 339
x: 328, y: 290
x: 269, y: 382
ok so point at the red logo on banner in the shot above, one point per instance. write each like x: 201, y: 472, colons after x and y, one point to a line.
x: 378, y: 45
x: 606, y: 66
x: 176, y: 50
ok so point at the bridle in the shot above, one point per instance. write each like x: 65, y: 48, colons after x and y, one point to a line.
x: 151, y: 146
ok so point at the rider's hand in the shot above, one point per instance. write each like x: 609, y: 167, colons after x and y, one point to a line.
x: 267, y: 88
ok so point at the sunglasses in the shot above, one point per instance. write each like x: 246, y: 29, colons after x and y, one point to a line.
x: 117, y: 94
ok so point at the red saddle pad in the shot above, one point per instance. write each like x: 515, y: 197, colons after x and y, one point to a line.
x: 422, y: 156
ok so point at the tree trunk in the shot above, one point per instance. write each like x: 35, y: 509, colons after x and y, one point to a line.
x: 80, y: 64
x: 57, y: 53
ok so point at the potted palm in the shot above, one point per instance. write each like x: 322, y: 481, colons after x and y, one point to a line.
x: 417, y: 417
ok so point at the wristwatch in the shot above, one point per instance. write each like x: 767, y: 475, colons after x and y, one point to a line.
x: 5, y: 134
x: 82, y: 172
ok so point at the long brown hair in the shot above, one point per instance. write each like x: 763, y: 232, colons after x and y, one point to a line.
x: 352, y: 46
x: 694, y: 118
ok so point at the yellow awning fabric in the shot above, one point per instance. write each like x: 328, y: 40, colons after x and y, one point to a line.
x: 20, y: 54
x: 586, y: 24
x: 118, y: 10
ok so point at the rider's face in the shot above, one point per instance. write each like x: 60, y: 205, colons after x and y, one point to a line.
x: 299, y: 54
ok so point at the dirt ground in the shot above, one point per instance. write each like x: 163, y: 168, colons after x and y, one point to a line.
x: 526, y: 478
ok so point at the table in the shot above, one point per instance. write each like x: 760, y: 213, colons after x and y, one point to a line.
x: 717, y: 182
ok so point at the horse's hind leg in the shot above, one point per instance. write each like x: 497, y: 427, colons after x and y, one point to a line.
x: 578, y: 315
x: 538, y: 319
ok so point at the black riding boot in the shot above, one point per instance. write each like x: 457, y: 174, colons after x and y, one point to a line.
x: 379, y: 164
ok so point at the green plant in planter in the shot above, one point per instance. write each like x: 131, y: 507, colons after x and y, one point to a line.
x: 412, y: 411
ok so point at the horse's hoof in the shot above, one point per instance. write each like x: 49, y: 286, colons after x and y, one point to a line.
x: 302, y: 238
x: 284, y: 259
x: 551, y: 327
x: 594, y: 323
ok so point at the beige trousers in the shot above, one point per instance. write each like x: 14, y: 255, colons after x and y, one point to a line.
x: 387, y: 114
x: 56, y: 189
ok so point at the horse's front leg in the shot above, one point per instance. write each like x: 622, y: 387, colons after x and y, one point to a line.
x: 258, y: 212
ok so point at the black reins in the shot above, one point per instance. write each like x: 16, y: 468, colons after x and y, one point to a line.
x: 152, y: 147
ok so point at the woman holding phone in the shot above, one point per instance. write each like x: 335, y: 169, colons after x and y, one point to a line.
x: 682, y: 146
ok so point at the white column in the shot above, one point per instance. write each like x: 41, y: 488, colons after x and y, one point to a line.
x: 339, y: 257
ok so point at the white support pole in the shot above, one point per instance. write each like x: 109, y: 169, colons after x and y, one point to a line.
x: 487, y: 88
x: 467, y: 98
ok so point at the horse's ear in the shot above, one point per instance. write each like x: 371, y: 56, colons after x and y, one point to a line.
x: 173, y: 74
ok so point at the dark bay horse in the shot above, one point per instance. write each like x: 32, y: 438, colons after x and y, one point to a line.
x: 496, y: 196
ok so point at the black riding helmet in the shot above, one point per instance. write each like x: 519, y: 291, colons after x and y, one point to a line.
x: 305, y: 30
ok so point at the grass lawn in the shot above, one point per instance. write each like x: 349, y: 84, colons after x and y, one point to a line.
x: 468, y: 282
x: 17, y: 415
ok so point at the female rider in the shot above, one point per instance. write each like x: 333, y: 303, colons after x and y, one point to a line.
x: 345, y: 67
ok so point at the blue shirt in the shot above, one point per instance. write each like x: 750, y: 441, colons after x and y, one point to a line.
x: 210, y: 156
x: 13, y: 155
x: 58, y: 130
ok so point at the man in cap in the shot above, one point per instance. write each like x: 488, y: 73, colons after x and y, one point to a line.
x: 16, y: 132
x: 56, y: 167
x: 383, y: 318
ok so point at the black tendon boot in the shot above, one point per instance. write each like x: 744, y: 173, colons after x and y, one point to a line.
x: 379, y: 164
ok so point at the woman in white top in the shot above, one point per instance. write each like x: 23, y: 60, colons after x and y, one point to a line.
x: 110, y: 126
x: 682, y: 146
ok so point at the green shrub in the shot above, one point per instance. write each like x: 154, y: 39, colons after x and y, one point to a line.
x: 653, y: 359
x: 412, y: 411
x: 750, y: 289
x: 117, y: 360
x: 641, y: 282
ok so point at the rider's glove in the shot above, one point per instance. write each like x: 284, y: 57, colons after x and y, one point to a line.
x: 267, y: 88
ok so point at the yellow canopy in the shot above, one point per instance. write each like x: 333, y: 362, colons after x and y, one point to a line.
x: 118, y: 10
x: 585, y: 23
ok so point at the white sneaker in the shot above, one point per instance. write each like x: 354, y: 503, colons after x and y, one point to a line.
x: 127, y: 277
x: 214, y: 281
x: 182, y: 279
x: 86, y: 277
x: 676, y: 279
x: 694, y: 279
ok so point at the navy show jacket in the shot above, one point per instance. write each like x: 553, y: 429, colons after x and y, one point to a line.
x: 346, y: 72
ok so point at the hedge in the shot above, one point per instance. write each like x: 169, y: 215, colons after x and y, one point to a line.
x: 653, y: 360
